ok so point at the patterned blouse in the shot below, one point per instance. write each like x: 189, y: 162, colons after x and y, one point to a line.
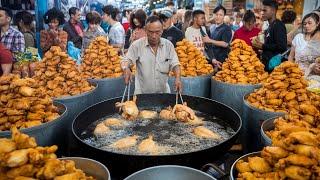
x: 48, y: 39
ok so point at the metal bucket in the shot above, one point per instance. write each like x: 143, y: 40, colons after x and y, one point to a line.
x: 233, y: 170
x: 74, y: 104
x: 169, y: 172
x: 46, y: 134
x: 109, y: 88
x: 90, y: 167
x: 193, y: 86
x: 231, y: 94
x: 254, y: 118
x: 267, y: 125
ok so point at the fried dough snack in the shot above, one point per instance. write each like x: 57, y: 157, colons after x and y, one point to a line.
x: 286, y: 91
x: 33, y: 162
x: 192, y: 60
x: 101, y: 60
x: 59, y: 74
x: 24, y: 103
x: 242, y: 66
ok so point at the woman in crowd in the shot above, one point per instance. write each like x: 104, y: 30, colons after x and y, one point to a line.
x: 137, y: 23
x: 24, y: 21
x: 94, y: 30
x: 187, y: 20
x: 305, y: 46
x: 53, y: 36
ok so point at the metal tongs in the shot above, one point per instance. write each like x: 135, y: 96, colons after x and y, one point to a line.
x: 124, y: 94
x: 178, y: 94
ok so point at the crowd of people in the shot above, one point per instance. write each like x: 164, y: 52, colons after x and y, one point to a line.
x: 268, y: 35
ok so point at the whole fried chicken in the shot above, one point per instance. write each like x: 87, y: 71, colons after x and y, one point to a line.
x: 129, y: 109
x: 204, y: 132
x: 125, y: 142
x: 147, y: 114
x: 148, y: 146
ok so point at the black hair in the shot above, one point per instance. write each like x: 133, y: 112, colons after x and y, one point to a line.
x: 27, y: 18
x: 111, y: 11
x: 271, y: 3
x: 163, y: 18
x: 316, y: 18
x: 7, y: 11
x: 73, y: 10
x: 249, y: 16
x: 169, y: 3
x: 152, y: 19
x: 140, y: 15
x: 288, y: 16
x: 218, y: 8
x: 197, y: 12
x: 93, y: 17
x: 52, y: 14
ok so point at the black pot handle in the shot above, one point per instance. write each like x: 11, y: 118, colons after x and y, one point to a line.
x: 214, y: 170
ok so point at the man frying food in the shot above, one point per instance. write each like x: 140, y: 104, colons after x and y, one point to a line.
x: 154, y: 58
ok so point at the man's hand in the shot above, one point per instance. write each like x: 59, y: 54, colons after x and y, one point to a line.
x: 178, y: 85
x: 127, y: 76
x: 216, y: 63
x: 257, y: 44
x: 206, y: 39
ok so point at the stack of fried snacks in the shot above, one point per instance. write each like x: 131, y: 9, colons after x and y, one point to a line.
x: 192, y: 60
x: 242, y: 66
x: 23, y: 103
x: 285, y: 90
x: 101, y: 60
x: 22, y: 159
x: 59, y: 74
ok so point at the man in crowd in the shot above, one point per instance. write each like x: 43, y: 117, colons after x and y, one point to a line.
x: 195, y: 32
x: 275, y: 37
x: 170, y: 32
x: 74, y: 27
x: 116, y: 32
x: 6, y: 60
x: 10, y: 37
x: 154, y: 58
x: 248, y: 30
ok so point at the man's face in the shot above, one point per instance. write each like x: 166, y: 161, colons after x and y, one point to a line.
x: 4, y: 19
x: 200, y: 19
x: 154, y: 31
x: 267, y: 13
x: 106, y: 18
x: 249, y: 25
x: 219, y: 16
x: 76, y: 16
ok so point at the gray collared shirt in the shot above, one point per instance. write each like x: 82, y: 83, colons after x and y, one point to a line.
x: 152, y: 69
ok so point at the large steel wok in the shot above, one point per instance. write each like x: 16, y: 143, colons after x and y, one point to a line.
x: 124, y: 164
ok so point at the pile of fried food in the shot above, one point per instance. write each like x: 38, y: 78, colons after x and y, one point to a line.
x: 58, y: 73
x: 285, y: 91
x: 24, y: 103
x: 242, y: 66
x: 22, y: 159
x: 294, y: 154
x: 101, y: 60
x: 192, y: 60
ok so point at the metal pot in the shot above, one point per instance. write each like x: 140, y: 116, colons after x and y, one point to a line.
x: 231, y: 94
x: 169, y: 172
x: 255, y: 118
x: 90, y: 167
x: 233, y: 170
x: 48, y: 133
x: 267, y: 125
x: 74, y: 104
x: 109, y: 88
x: 125, y: 164
x: 193, y: 86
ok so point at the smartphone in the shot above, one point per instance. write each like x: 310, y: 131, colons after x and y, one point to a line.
x: 203, y: 34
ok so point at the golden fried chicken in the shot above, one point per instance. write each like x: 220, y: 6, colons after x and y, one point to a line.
x: 166, y: 114
x: 298, y: 173
x: 101, y: 130
x: 7, y: 145
x: 296, y: 159
x: 24, y: 170
x: 148, y: 146
x: 51, y: 169
x: 243, y: 166
x: 309, y: 151
x: 184, y: 113
x: 129, y: 109
x: 26, y: 91
x: 15, y: 158
x: 125, y: 142
x: 204, y: 132
x: 147, y: 114
x: 273, y: 153
x: 113, y: 122
x: 302, y: 137
x: 259, y: 165
x: 22, y: 140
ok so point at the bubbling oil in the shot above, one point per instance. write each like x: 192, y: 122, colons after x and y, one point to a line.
x: 172, y: 137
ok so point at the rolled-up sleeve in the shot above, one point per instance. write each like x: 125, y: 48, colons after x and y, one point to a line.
x: 132, y: 54
x: 173, y: 55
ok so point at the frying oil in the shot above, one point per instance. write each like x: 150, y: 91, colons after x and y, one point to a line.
x: 173, y: 137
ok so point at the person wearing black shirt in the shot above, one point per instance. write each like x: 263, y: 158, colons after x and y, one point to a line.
x: 275, y: 37
x: 170, y: 32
